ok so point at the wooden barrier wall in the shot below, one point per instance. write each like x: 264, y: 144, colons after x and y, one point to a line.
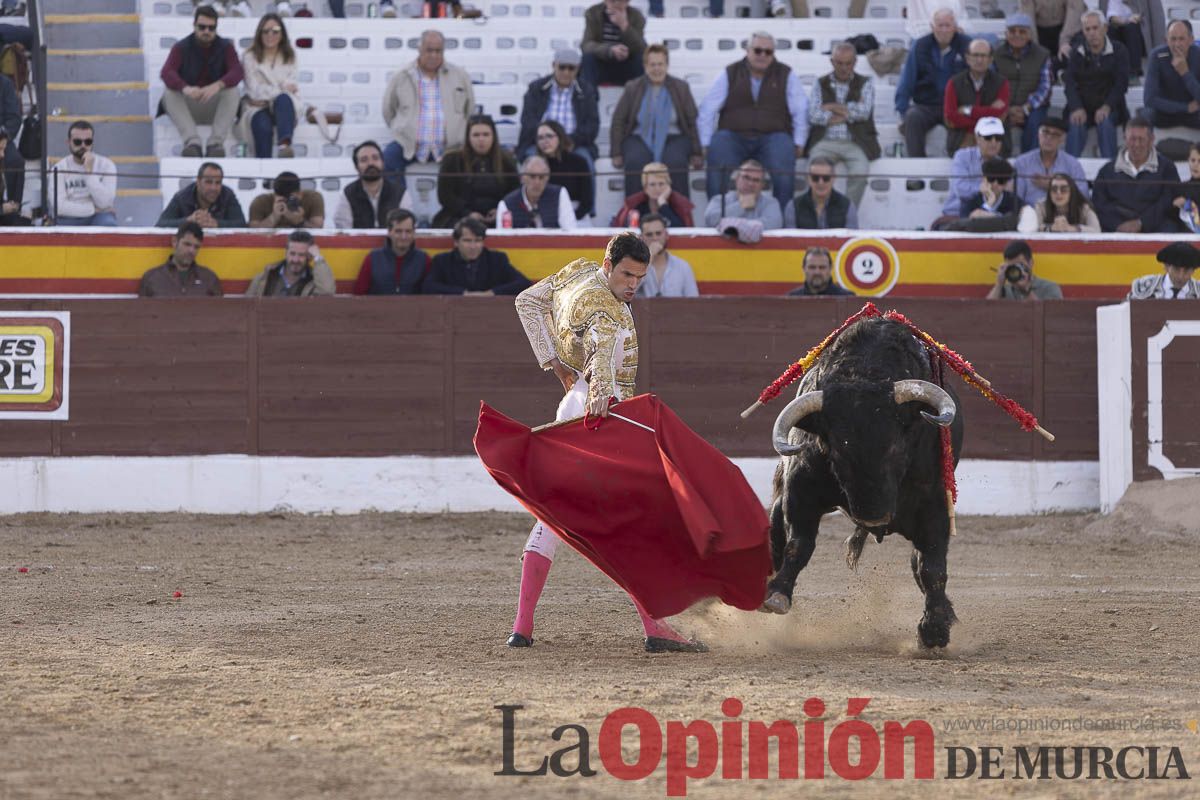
x: 387, y: 376
x: 1180, y: 393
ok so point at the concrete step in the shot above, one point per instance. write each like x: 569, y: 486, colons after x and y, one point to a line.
x: 131, y: 135
x: 79, y: 99
x: 107, y: 64
x: 89, y: 7
x: 67, y: 31
x: 138, y: 207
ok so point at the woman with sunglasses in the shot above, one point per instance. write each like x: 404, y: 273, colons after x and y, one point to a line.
x: 472, y: 179
x: 1064, y: 210
x: 270, y: 103
x: 568, y: 169
x: 1188, y: 198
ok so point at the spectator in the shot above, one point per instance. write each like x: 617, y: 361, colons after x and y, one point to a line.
x: 207, y: 202
x: 967, y: 166
x: 181, y: 276
x: 1064, y: 209
x: 10, y: 121
x: 270, y: 103
x: 567, y: 169
x: 746, y: 200
x: 473, y: 179
x: 1095, y: 83
x: 1172, y: 90
x: 613, y: 43
x: 10, y: 209
x: 818, y: 276
x: 1050, y: 17
x: 20, y: 33
x: 756, y: 109
x: 994, y: 207
x: 1187, y: 196
x: 287, y: 205
x: 650, y: 124
x: 1035, y: 167
x: 821, y: 206
x: 569, y: 102
x: 537, y: 203
x: 1026, y: 66
x: 367, y: 202
x: 471, y: 268
x: 919, y: 14
x: 1139, y: 25
x: 1175, y: 282
x: 657, y: 197
x: 426, y: 104
x: 932, y: 61
x: 85, y: 182
x: 668, y: 274
x: 841, y: 113
x: 1015, y: 279
x: 1134, y: 192
x: 201, y: 75
x: 974, y: 94
x: 399, y: 267
x: 302, y: 273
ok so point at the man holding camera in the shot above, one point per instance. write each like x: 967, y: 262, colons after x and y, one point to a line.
x: 1015, y: 279
x: 288, y: 206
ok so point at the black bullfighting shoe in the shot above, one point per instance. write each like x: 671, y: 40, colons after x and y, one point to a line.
x: 519, y: 640
x: 657, y: 644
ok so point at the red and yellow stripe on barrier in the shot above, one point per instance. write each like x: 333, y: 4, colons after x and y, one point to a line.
x: 49, y: 261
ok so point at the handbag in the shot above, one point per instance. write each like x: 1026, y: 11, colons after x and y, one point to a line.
x: 29, y: 139
x: 323, y: 120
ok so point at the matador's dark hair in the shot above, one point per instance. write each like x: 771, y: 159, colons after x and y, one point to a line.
x: 627, y: 245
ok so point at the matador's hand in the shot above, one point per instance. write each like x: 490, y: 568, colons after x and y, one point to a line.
x: 598, y: 406
x: 566, y: 376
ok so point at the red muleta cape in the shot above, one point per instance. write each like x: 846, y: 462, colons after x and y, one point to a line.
x: 665, y: 514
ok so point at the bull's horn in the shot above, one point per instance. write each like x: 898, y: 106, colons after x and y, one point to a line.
x: 793, y: 412
x: 929, y: 394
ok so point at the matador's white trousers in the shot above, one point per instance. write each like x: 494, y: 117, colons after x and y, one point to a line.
x: 542, y: 540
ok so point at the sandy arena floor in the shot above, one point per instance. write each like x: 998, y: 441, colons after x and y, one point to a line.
x: 361, y: 657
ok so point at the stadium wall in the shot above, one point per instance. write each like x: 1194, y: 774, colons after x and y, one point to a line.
x: 339, y: 404
x: 872, y: 263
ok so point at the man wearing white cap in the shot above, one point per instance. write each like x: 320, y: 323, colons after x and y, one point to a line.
x: 562, y: 97
x: 967, y: 167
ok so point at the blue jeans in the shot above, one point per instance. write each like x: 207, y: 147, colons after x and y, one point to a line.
x: 656, y: 7
x: 1034, y: 121
x: 14, y: 172
x: 776, y: 151
x: 265, y: 131
x: 1106, y: 138
x: 106, y: 218
x: 597, y: 71
x: 716, y: 8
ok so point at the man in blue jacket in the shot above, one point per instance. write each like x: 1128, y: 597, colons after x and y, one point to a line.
x: 1172, y: 91
x: 933, y: 60
x: 471, y: 269
x: 1134, y: 192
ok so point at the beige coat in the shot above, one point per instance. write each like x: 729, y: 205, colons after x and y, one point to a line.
x: 265, y: 82
x: 402, y: 105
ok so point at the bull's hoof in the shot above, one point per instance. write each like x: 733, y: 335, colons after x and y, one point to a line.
x: 658, y: 644
x: 519, y: 640
x: 776, y: 603
x: 933, y: 632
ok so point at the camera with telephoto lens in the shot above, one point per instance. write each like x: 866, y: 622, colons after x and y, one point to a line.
x: 293, y: 203
x: 1013, y: 273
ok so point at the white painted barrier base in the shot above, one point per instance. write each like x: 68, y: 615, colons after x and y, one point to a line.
x: 237, y: 484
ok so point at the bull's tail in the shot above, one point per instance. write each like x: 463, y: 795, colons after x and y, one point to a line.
x: 854, y: 547
x: 778, y: 531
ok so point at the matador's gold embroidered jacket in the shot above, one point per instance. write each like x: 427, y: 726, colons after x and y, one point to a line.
x: 574, y: 315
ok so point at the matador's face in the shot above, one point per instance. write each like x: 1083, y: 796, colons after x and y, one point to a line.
x: 624, y: 277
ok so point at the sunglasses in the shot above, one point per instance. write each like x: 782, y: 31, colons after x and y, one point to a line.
x: 820, y: 178
x: 1060, y: 188
x: 81, y: 142
x: 762, y: 51
x: 200, y: 27
x: 995, y: 137
x: 994, y: 179
x: 567, y: 67
x: 275, y: 31
x: 544, y: 136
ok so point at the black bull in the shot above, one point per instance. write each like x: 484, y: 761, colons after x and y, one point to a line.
x: 860, y: 436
